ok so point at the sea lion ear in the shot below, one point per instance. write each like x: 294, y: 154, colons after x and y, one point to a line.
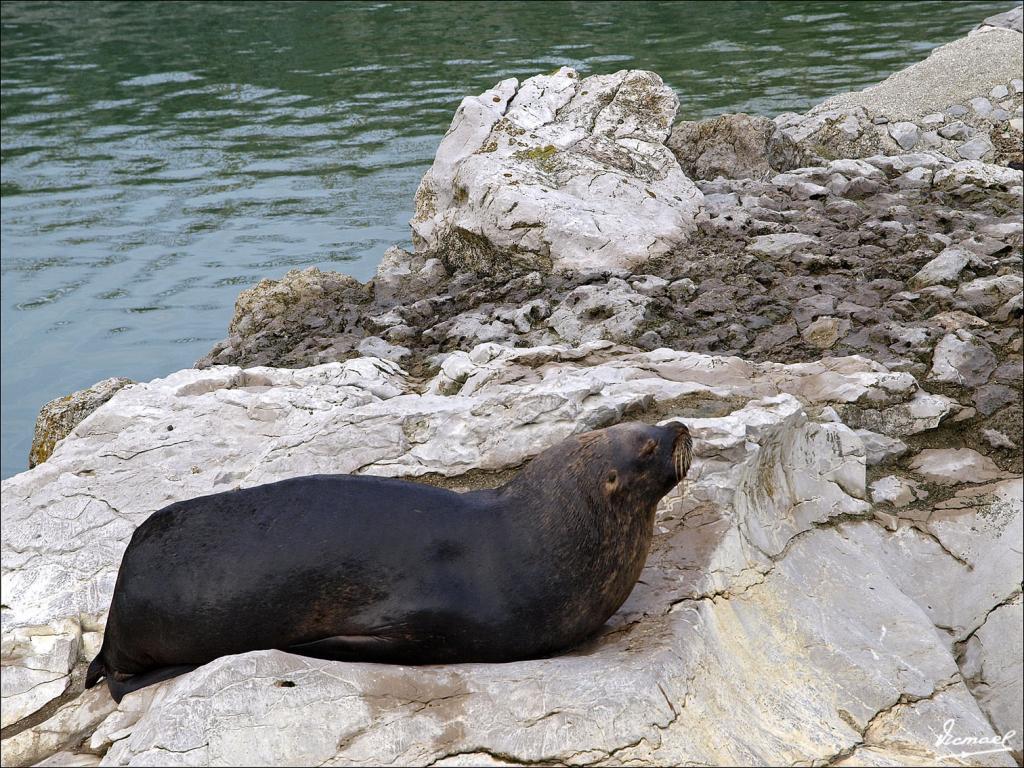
x: 647, y: 449
x: 611, y: 481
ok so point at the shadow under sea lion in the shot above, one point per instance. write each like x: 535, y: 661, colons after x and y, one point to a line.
x: 362, y: 568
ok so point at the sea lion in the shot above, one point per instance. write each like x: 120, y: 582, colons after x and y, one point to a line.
x: 353, y: 567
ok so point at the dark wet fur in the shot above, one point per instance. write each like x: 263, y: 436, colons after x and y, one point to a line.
x: 377, y: 569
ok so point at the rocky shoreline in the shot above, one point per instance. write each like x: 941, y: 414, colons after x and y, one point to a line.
x: 833, y: 301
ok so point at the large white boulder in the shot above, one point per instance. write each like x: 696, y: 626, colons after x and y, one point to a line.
x: 557, y: 173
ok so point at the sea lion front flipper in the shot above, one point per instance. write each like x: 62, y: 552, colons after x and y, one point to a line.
x: 120, y: 685
x: 347, y: 648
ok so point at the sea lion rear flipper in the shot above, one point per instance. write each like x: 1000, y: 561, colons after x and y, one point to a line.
x: 126, y: 684
x: 345, y: 648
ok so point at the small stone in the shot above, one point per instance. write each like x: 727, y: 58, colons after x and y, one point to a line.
x: 905, y: 134
x: 374, y: 346
x: 999, y: 115
x: 682, y: 288
x: 981, y: 106
x: 805, y: 190
x: 961, y: 358
x: 879, y: 448
x: 935, y: 118
x: 915, y: 178
x: 650, y: 340
x: 880, y: 120
x: 782, y: 244
x: 944, y: 268
x: 1017, y: 86
x: 956, y: 131
x: 1017, y: 124
x: 898, y: 491
x: 993, y: 397
x: 649, y: 285
x: 999, y: 92
x: 949, y: 466
x: 997, y: 439
x: 930, y: 140
x: 825, y: 331
x: 975, y: 149
x: 957, y: 110
x: 957, y: 319
x: 986, y: 292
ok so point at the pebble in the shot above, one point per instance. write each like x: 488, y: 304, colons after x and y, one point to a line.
x: 981, y: 106
x: 1000, y: 92
x: 975, y: 149
x: 956, y: 131
x: 905, y: 134
x: 957, y: 110
x: 997, y: 439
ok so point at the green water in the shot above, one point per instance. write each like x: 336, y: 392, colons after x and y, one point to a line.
x: 157, y: 158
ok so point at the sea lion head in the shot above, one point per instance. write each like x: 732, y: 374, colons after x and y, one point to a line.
x: 639, y: 461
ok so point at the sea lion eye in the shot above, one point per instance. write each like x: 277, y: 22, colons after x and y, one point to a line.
x: 648, y: 448
x: 612, y: 481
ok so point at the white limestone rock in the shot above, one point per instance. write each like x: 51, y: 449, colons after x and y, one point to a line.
x: 992, y: 665
x: 944, y: 268
x: 949, y: 466
x: 557, y: 173
x: 782, y: 244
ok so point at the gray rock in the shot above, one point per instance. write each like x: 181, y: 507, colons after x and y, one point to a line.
x: 956, y: 131
x: 981, y: 106
x: 825, y: 331
x: 1010, y: 19
x: 733, y: 146
x: 992, y: 397
x: 783, y: 244
x: 933, y: 120
x: 895, y: 490
x: 905, y: 134
x: 728, y: 571
x: 611, y: 311
x: 991, y: 663
x: 963, y: 359
x: 997, y: 439
x: 987, y: 292
x: 999, y: 92
x: 881, y: 449
x: 975, y: 149
x: 970, y: 65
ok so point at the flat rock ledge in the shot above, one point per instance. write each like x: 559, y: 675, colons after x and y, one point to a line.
x: 775, y: 600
